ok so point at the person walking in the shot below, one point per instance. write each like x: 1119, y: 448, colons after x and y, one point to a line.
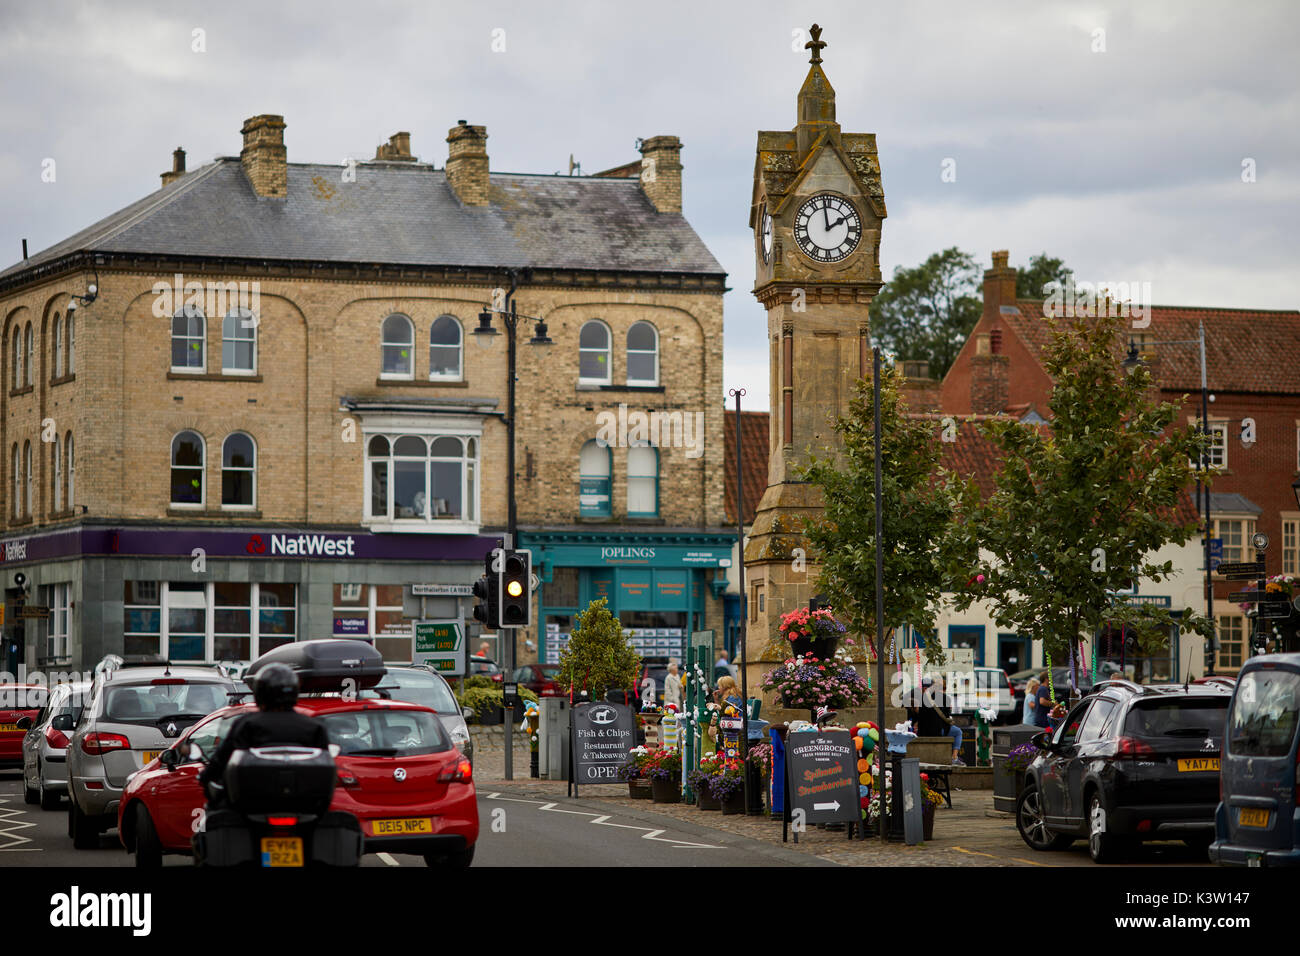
x: 722, y: 667
x: 673, y: 687
x: 1031, y: 698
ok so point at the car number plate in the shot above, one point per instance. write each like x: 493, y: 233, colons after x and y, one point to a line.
x: 1253, y: 818
x: 147, y: 755
x: 9, y: 728
x: 401, y: 826
x: 282, y: 851
x: 1198, y: 764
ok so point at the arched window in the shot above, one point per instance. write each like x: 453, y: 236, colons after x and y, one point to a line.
x: 18, y: 485
x: 18, y: 358
x: 238, y: 471
x: 189, y: 340
x: 398, y: 337
x: 187, y: 469
x: 642, y: 481
x: 593, y: 480
x: 57, y: 488
x: 72, y: 343
x: 27, y: 472
x: 642, y: 354
x: 593, y: 354
x: 445, y: 340
x: 31, y: 355
x: 58, y: 346
x: 71, y: 470
x: 239, y: 343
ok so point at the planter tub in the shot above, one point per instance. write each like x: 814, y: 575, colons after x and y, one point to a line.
x: 705, y: 800
x: 927, y: 820
x: 734, y: 803
x: 667, y: 791
x: 639, y: 789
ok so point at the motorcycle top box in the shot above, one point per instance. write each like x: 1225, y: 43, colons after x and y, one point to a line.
x: 266, y: 780
x: 324, y: 665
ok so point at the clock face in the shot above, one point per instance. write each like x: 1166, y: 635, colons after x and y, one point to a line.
x: 827, y: 228
x: 767, y: 236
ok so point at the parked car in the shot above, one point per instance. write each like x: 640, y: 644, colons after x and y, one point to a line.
x: 540, y: 679
x: 17, y: 701
x: 418, y: 684
x: 485, y: 667
x: 398, y: 773
x: 133, y: 714
x: 1257, y: 821
x: 991, y: 689
x: 1129, y: 763
x: 45, y: 745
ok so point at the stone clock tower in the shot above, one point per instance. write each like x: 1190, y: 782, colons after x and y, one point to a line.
x: 816, y: 214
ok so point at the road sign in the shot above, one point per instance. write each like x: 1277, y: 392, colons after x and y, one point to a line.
x: 442, y: 590
x: 1246, y: 597
x: 1216, y: 553
x: 1274, y: 609
x: 441, y: 645
x: 822, y: 777
x: 34, y: 610
x: 1242, y: 571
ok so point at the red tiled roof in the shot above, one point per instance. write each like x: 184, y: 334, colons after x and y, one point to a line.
x: 753, y: 454
x: 1246, y: 350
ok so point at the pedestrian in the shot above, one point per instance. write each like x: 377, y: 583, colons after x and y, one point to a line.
x: 1031, y: 697
x: 1043, y: 700
x: 672, y: 687
x: 721, y: 667
x: 484, y: 650
x: 933, y: 718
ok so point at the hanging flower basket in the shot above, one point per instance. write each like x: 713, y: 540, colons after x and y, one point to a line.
x: 807, y: 683
x: 812, y: 632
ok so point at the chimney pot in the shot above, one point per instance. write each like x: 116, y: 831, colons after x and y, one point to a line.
x: 661, y: 172
x: 999, y: 284
x: 263, y: 156
x: 467, y: 163
x: 178, y: 160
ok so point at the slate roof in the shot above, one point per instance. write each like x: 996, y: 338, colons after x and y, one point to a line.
x: 1246, y: 350
x: 400, y: 214
x: 1232, y: 503
x: 753, y: 456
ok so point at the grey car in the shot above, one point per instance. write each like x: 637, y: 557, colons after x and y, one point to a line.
x: 133, y: 714
x: 420, y: 685
x: 45, y: 745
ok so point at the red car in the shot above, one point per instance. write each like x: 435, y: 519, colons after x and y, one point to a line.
x: 16, y: 702
x: 540, y: 679
x: 398, y: 773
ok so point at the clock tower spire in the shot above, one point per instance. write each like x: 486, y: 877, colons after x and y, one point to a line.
x: 816, y: 211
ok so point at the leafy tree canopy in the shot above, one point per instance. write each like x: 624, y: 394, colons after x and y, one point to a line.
x: 597, y: 657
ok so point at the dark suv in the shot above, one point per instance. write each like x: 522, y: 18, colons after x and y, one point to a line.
x: 1130, y: 762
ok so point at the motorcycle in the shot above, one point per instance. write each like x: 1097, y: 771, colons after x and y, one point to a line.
x: 272, y: 810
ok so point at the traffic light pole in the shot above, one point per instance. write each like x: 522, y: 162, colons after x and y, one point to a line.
x: 510, y: 319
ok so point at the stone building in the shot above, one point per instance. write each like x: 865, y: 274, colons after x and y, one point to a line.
x: 265, y: 420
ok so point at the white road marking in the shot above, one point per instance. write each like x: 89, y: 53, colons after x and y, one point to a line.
x: 600, y: 819
x: 10, y: 822
x: 387, y: 859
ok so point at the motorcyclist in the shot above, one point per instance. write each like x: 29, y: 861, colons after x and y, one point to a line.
x: 274, y: 723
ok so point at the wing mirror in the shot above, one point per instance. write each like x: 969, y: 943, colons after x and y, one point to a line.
x: 23, y: 723
x: 63, y: 722
x: 1043, y: 741
x: 467, y: 713
x: 170, y: 758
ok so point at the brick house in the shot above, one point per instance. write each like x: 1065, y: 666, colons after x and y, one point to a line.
x: 267, y: 422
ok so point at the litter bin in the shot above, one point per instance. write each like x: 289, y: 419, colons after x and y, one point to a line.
x: 553, y: 738
x: 1006, y: 784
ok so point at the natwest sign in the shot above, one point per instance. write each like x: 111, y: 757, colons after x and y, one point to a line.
x: 305, y: 545
x: 15, y: 550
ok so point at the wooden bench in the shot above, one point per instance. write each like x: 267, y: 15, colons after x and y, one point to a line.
x: 940, y: 780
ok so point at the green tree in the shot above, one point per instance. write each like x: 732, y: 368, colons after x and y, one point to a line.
x: 1042, y: 269
x: 928, y: 311
x: 1081, y: 507
x: 920, y: 502
x: 598, y: 657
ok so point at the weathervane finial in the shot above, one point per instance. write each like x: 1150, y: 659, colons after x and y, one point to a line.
x: 815, y: 44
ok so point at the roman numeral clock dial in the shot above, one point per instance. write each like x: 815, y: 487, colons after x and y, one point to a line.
x: 827, y: 228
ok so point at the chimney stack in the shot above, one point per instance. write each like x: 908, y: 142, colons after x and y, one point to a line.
x: 999, y: 284
x: 467, y: 163
x: 178, y: 167
x: 661, y: 172
x: 263, y: 156
x: 398, y: 148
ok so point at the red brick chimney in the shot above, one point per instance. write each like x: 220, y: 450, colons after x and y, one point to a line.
x: 990, y: 378
x: 999, y: 284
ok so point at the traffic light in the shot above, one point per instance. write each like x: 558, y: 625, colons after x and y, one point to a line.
x: 515, y: 593
x: 487, y: 611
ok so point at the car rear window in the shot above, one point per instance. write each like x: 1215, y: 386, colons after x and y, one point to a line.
x: 386, y: 733
x: 146, y: 703
x: 414, y: 687
x: 1177, y: 717
x: 1264, y: 714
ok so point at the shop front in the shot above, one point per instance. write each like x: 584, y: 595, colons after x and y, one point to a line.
x: 660, y: 586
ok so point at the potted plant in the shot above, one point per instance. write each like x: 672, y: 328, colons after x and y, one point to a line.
x: 728, y: 786
x: 930, y: 800
x: 699, y: 782
x: 812, y: 632
x: 810, y: 682
x: 634, y: 770
x: 1018, y: 761
x: 597, y: 657
x: 665, y: 773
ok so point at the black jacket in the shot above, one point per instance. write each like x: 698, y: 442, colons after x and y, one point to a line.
x: 265, y: 728
x: 930, y: 721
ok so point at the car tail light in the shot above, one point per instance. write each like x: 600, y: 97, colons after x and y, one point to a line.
x: 1133, y: 749
x: 282, y: 821
x: 97, y: 744
x: 347, y: 779
x: 1144, y: 826
x: 56, y: 738
x: 94, y: 785
x: 168, y: 680
x: 462, y: 772
x: 497, y: 678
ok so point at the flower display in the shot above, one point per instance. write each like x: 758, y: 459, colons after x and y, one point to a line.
x: 809, y: 682
x: 664, y: 765
x: 803, y: 623
x: 727, y: 781
x: 1019, y: 759
x: 636, y: 764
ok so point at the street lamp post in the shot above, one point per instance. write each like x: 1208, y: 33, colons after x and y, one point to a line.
x: 485, y: 335
x: 1129, y: 364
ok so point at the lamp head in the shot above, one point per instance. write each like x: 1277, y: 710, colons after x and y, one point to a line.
x: 485, y: 334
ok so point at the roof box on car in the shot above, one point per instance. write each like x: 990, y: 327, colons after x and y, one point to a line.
x: 324, y: 665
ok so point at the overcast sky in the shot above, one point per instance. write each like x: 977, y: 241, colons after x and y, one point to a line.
x: 1125, y: 162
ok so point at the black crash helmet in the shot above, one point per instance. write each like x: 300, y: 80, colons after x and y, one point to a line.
x: 276, y: 688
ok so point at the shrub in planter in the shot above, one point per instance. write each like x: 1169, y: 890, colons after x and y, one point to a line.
x: 728, y: 788
x: 633, y: 770
x: 488, y: 702
x: 665, y: 773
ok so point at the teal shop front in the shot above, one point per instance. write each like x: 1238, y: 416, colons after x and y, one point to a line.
x: 661, y: 587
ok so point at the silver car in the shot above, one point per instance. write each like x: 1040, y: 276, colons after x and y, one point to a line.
x: 134, y: 713
x: 419, y: 685
x: 45, y: 745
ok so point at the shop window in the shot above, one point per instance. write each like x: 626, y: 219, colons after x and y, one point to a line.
x: 238, y: 471
x: 594, y: 354
x: 594, y: 480
x: 642, y: 481
x: 239, y: 343
x: 562, y: 590
x: 398, y: 348
x: 207, y: 621
x: 642, y: 354
x: 58, y: 598
x: 189, y: 340
x: 445, y: 349
x: 376, y: 617
x: 187, y: 469
x: 419, y: 480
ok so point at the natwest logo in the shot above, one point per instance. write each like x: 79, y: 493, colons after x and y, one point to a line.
x: 313, y: 544
x: 15, y: 550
